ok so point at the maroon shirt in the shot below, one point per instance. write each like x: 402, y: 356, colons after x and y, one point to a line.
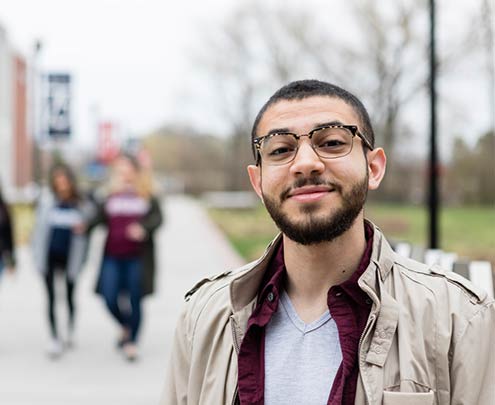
x: 122, y: 209
x: 349, y: 307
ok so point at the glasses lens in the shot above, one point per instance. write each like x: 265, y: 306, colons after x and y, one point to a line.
x: 332, y: 142
x: 279, y: 148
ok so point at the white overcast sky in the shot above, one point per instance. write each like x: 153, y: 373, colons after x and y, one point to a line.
x: 130, y: 59
x: 127, y: 57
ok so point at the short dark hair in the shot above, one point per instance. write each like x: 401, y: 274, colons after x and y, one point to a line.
x: 302, y: 89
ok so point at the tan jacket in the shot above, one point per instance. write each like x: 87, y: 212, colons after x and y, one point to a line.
x: 429, y: 338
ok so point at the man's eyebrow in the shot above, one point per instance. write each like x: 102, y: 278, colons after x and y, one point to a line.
x: 278, y: 130
x: 285, y: 130
x: 324, y: 124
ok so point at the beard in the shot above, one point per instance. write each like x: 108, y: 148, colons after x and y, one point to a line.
x: 316, y: 227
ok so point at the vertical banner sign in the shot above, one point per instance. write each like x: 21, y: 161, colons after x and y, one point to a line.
x: 108, y: 148
x: 59, y: 103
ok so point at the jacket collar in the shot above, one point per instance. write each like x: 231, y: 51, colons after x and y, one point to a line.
x: 385, y: 312
x: 382, y: 255
x: 386, y: 308
x: 245, y: 286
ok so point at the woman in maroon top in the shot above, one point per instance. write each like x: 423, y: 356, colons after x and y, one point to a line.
x: 131, y: 215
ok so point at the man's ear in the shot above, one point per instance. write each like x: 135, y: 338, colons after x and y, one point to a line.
x: 377, y: 163
x: 255, y: 178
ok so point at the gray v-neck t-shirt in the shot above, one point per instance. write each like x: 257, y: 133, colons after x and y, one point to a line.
x: 301, y: 360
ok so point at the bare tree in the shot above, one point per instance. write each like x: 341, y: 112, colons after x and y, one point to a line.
x: 263, y: 45
x: 488, y: 22
x: 255, y: 51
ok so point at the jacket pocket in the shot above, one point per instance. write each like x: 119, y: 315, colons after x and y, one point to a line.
x: 408, y: 398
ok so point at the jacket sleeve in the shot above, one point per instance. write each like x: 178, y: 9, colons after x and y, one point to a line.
x: 95, y: 217
x: 177, y: 380
x: 473, y: 360
x: 39, y: 234
x: 154, y: 218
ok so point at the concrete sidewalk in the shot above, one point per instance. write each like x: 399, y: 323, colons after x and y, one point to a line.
x: 94, y: 371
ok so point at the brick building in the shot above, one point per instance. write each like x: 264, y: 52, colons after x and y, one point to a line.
x: 16, y: 147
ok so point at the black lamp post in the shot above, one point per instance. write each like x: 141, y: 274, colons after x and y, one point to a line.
x: 36, y: 113
x: 433, y: 198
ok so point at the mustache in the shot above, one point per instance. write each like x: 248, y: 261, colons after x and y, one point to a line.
x: 309, y: 181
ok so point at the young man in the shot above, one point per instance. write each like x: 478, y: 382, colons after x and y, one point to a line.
x: 330, y: 314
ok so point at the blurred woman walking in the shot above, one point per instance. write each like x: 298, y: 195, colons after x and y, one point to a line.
x: 7, y: 258
x: 131, y: 214
x: 59, y: 246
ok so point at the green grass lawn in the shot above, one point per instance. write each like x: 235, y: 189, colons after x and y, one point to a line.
x: 248, y: 230
x: 23, y: 220
x: 468, y: 231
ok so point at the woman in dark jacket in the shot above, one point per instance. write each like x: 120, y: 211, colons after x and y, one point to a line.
x: 7, y: 259
x: 131, y: 215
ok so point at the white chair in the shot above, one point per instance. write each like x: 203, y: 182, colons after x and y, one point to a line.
x: 403, y: 249
x: 480, y: 274
x: 447, y: 260
x: 433, y: 256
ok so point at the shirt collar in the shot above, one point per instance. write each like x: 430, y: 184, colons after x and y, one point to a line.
x: 274, y: 277
x: 275, y: 274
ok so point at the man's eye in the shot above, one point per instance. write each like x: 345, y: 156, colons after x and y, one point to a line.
x: 280, y: 151
x: 331, y: 143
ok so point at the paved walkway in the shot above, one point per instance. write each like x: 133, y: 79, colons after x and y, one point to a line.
x: 94, y: 372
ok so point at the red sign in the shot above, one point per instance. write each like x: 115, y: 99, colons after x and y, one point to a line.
x: 108, y: 147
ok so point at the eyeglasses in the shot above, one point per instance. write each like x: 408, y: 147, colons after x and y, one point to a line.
x: 328, y: 142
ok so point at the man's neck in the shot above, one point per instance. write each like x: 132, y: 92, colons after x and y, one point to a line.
x: 313, y: 270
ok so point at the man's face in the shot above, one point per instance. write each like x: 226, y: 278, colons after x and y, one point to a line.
x: 311, y: 199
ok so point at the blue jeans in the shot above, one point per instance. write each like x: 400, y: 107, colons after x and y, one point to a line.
x: 121, y: 288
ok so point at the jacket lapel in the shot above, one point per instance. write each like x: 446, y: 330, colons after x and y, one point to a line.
x: 386, y: 325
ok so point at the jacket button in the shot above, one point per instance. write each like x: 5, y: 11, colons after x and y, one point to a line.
x: 270, y: 297
x: 368, y: 301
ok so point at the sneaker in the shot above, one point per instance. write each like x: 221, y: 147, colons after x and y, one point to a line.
x: 130, y: 351
x: 124, y: 338
x: 55, y: 348
x: 69, y: 341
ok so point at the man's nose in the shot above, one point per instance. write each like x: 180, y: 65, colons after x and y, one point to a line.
x: 306, y: 161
